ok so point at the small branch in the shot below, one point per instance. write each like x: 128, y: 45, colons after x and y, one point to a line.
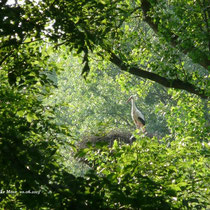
x: 5, y: 57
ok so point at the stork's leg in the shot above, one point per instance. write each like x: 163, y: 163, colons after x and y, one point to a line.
x: 141, y: 127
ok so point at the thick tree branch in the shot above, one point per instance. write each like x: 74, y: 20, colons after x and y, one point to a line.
x: 146, y: 7
x: 170, y: 83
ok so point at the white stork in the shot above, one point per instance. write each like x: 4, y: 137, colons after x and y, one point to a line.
x: 136, y: 115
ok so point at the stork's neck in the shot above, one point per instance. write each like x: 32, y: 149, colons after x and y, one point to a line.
x: 133, y: 104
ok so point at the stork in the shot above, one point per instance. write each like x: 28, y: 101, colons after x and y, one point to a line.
x: 136, y: 115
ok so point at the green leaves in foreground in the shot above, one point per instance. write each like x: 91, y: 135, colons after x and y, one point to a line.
x: 150, y: 175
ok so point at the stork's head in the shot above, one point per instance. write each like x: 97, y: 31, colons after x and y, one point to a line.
x: 131, y: 98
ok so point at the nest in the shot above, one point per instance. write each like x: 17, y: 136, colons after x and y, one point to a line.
x: 109, y: 138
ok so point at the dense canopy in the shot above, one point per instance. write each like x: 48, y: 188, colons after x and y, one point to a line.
x: 66, y: 70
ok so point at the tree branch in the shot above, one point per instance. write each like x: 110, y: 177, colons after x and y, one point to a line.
x: 146, y: 7
x: 5, y: 57
x: 170, y: 83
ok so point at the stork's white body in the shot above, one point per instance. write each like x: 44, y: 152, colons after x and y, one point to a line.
x: 136, y: 115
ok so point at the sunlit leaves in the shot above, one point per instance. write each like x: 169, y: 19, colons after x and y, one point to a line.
x: 30, y: 117
x: 166, y: 172
x: 169, y: 170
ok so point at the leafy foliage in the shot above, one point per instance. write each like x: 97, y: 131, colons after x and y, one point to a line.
x: 45, y: 106
x: 151, y: 175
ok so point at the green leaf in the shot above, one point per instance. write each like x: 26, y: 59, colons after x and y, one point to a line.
x: 21, y: 113
x: 30, y: 117
x: 115, y: 145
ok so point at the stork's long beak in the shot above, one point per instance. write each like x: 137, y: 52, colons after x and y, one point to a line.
x: 129, y: 100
